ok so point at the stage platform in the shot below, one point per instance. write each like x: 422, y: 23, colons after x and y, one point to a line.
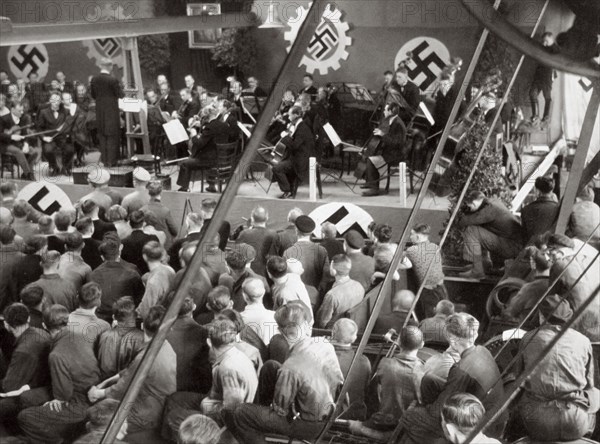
x: 383, y: 209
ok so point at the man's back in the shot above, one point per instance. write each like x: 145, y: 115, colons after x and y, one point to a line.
x: 314, y: 260
x: 188, y: 340
x: 87, y: 325
x: 262, y: 240
x: 72, y: 268
x: 360, y: 378
x: 73, y: 366
x: 117, y: 347
x: 135, y: 201
x: 400, y: 379
x: 132, y: 249
x: 57, y: 291
x: 116, y: 280
x: 394, y: 320
x: 363, y: 267
x: 29, y: 361
x: 90, y: 253
x: 538, y: 217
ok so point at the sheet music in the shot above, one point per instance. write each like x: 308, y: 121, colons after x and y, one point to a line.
x: 332, y: 134
x: 130, y: 105
x: 175, y: 132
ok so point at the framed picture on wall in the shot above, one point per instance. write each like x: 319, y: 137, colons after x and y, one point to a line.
x: 206, y: 38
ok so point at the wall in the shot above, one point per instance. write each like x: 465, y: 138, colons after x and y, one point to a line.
x: 78, y: 60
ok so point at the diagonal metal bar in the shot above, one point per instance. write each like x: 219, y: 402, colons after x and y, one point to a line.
x: 484, y: 146
x: 495, y: 22
x: 290, y: 66
x: 495, y: 412
x: 583, y: 146
x: 387, y: 282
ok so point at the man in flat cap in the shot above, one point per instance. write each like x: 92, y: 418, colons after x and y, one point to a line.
x: 140, y: 197
x: 312, y: 256
x: 559, y: 399
x: 489, y: 229
x: 106, y: 90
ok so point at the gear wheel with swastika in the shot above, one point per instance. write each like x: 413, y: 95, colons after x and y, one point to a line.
x: 328, y: 45
x: 97, y: 49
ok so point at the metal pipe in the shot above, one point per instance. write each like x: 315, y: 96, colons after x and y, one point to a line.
x: 289, y: 67
x: 583, y: 146
x: 71, y: 32
x: 495, y: 22
x: 477, y: 160
x: 385, y: 286
x: 495, y: 413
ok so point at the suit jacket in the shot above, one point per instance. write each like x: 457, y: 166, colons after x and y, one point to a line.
x: 46, y: 120
x: 187, y: 110
x: 234, y: 130
x: 262, y: 240
x: 205, y: 144
x: 132, y: 249
x: 90, y: 253
x: 101, y: 228
x: 75, y: 126
x: 300, y: 146
x: 106, y: 90
x: 412, y: 95
x: 6, y: 123
x: 169, y: 103
x: 393, y: 140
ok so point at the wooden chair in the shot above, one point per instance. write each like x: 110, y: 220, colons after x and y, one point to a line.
x: 226, y: 162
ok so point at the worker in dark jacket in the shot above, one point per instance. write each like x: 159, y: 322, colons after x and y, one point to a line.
x: 539, y: 216
x: 106, y: 90
x: 204, y: 148
x: 489, y: 228
x: 29, y: 361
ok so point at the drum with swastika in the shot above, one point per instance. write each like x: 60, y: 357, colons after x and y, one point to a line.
x: 344, y: 216
x: 45, y: 197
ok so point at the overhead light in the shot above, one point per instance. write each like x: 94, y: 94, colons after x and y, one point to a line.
x: 272, y: 19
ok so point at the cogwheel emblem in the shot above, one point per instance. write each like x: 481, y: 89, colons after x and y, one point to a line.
x: 108, y: 47
x: 329, y: 43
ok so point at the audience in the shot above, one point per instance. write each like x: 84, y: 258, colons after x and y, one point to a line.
x: 165, y: 221
x: 401, y: 303
x: 461, y: 413
x: 158, y: 280
x: 71, y: 266
x: 363, y: 266
x: 259, y: 237
x: 199, y: 429
x: 255, y: 315
x: 56, y: 290
x: 117, y: 215
x: 133, y: 245
x: 433, y: 327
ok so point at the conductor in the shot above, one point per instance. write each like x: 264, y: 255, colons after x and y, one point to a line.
x: 106, y: 90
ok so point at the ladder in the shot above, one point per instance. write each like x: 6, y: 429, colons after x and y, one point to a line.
x: 132, y: 74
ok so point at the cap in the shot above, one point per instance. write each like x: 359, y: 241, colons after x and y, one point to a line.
x: 354, y: 239
x: 99, y: 176
x: 141, y: 175
x: 555, y: 307
x: 305, y: 224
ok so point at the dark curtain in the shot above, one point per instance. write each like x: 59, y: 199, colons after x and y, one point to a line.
x: 197, y: 62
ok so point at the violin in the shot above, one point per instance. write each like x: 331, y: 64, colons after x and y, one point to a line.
x: 17, y: 128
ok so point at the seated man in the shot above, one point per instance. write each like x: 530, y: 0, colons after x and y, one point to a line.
x: 13, y: 141
x: 521, y: 304
x: 55, y: 149
x: 396, y: 384
x: 300, y: 145
x: 401, y: 303
x: 28, y: 364
x: 73, y: 369
x: 343, y: 336
x: 461, y: 413
x: 539, y: 216
x: 234, y: 381
x: 118, y: 346
x: 433, y: 327
x: 255, y: 315
x: 146, y: 411
x: 476, y: 373
x: 489, y: 229
x: 585, y: 217
x: 559, y: 400
x: 305, y: 386
x: 390, y: 151
x: 345, y: 294
x: 238, y: 262
x: 287, y: 286
x: 424, y: 258
x: 204, y: 148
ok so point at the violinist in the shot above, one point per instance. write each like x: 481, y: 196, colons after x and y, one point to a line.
x: 155, y: 118
x: 406, y: 94
x: 281, y: 121
x: 203, y: 153
x: 227, y: 115
x: 75, y: 128
x: 13, y: 129
x: 189, y: 108
x: 391, y: 150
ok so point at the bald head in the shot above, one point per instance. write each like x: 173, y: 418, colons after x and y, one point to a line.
x: 444, y: 307
x: 259, y: 216
x: 254, y: 290
x: 402, y: 300
x: 6, y: 216
x: 344, y: 331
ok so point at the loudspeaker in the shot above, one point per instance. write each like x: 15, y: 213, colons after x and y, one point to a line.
x: 119, y: 176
